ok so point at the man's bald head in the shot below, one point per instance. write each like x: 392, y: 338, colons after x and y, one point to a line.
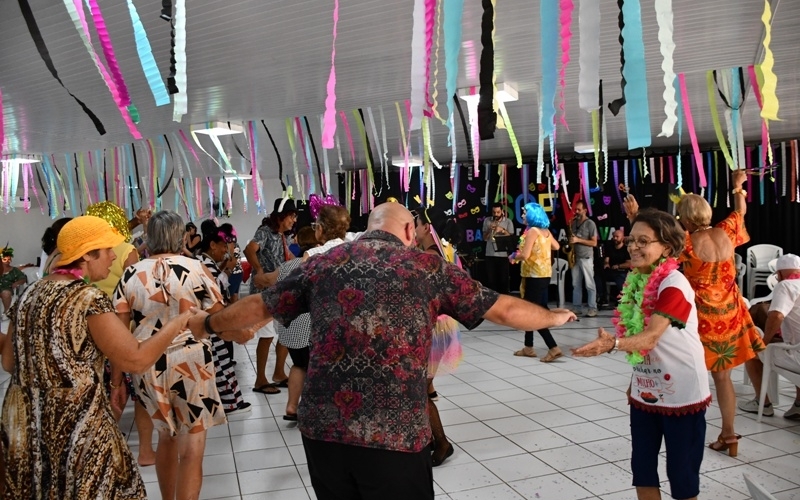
x: 393, y: 218
x: 618, y: 236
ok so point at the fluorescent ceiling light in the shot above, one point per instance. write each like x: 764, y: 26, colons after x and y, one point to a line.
x: 584, y: 147
x: 233, y: 176
x: 19, y: 161
x: 219, y: 128
x: 506, y: 92
x: 400, y: 161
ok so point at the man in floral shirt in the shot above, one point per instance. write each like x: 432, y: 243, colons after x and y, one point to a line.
x: 373, y: 304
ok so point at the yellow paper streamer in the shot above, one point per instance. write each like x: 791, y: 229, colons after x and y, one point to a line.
x: 511, y: 136
x: 712, y: 102
x: 769, y: 98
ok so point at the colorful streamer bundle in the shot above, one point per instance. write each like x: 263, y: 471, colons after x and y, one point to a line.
x: 565, y: 19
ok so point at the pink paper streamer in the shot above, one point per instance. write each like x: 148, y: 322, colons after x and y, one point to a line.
x: 2, y: 124
x: 189, y: 146
x: 687, y: 111
x: 113, y: 87
x: 566, y: 37
x: 430, y: 23
x: 329, y: 120
x: 108, y: 52
x: 751, y: 71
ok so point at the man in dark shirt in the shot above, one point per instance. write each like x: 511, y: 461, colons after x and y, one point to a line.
x: 373, y: 305
x: 617, y: 260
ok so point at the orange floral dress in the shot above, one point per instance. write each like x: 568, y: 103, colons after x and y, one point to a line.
x: 725, y: 326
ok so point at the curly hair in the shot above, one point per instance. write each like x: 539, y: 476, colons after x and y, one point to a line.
x: 695, y: 209
x: 668, y: 231
x: 334, y: 220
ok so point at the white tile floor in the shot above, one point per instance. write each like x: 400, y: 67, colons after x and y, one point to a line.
x: 521, y: 428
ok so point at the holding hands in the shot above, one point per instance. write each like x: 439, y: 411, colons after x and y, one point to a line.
x: 601, y: 345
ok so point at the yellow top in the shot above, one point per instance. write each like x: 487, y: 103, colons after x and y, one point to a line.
x: 115, y: 272
x: 537, y: 265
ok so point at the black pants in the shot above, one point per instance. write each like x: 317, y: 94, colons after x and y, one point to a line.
x: 616, y: 277
x: 536, y: 292
x: 497, y: 269
x: 344, y: 472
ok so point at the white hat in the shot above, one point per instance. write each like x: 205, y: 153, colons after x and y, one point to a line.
x: 787, y: 262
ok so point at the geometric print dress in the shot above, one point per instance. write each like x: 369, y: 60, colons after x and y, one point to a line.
x: 59, y: 437
x: 179, y: 391
x: 726, y: 329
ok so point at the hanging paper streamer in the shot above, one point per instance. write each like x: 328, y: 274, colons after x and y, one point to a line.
x: 664, y: 17
x: 486, y: 115
x: 343, y: 116
x: 418, y: 58
x: 435, y: 95
x: 549, y: 48
x: 369, y: 179
x: 76, y: 12
x: 33, y: 29
x: 687, y: 110
x: 385, y: 148
x: 453, y: 11
x: 511, y: 136
x: 637, y: 114
x: 108, y: 53
x: 430, y: 24
x: 596, y: 144
x: 585, y: 186
x: 770, y: 99
x: 712, y: 102
x: 565, y: 19
x: 2, y: 124
x: 329, y: 127
x: 603, y: 135
x: 754, y: 81
x: 540, y: 148
x: 468, y: 140
x: 680, y: 134
x: 146, y: 58
x: 615, y: 105
x: 180, y: 99
x: 589, y: 29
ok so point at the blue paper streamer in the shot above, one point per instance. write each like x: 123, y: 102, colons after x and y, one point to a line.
x: 453, y: 12
x: 550, y: 26
x: 146, y: 58
x: 637, y: 110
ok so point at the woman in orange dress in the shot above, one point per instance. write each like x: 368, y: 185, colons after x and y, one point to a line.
x: 725, y: 326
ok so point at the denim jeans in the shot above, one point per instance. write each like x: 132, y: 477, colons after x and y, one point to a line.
x: 583, y: 274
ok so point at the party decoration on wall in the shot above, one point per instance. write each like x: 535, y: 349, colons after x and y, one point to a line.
x: 664, y: 18
x: 770, y: 109
x: 180, y: 99
x: 329, y: 127
x: 146, y: 59
x: 637, y: 114
x: 589, y: 76
x: 565, y: 19
x: 41, y: 47
x: 486, y: 115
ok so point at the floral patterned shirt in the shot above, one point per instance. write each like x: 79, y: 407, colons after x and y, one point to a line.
x: 270, y: 253
x: 373, y: 304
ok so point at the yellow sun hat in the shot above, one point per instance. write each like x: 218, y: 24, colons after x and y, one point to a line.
x: 84, y: 234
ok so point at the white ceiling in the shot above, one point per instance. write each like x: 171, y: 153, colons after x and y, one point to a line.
x: 268, y: 59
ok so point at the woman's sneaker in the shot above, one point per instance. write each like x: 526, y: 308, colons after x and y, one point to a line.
x: 793, y: 413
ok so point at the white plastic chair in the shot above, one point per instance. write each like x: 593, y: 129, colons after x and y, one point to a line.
x: 773, y: 265
x: 557, y: 278
x: 772, y: 280
x: 741, y: 270
x: 758, y: 258
x: 771, y: 371
x: 757, y: 491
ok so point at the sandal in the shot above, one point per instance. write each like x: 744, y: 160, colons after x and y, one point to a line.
x: 729, y: 444
x: 526, y: 351
x: 552, y: 355
x: 266, y: 389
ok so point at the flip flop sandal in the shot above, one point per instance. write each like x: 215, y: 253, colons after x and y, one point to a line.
x: 291, y: 417
x: 266, y: 389
x: 282, y: 383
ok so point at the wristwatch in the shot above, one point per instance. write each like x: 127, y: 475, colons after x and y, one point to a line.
x: 207, y: 326
x: 616, y: 346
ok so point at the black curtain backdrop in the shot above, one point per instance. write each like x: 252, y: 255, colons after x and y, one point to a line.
x: 771, y: 217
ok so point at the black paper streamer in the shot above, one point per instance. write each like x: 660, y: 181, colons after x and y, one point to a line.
x: 741, y: 89
x: 138, y: 177
x: 33, y: 29
x: 171, y: 174
x: 166, y: 10
x: 467, y: 137
x: 615, y: 105
x: 487, y: 118
x: 278, y: 154
x: 369, y: 144
x: 316, y: 158
x: 172, y: 86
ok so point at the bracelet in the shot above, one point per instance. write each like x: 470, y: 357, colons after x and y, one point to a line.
x: 112, y: 386
x: 207, y: 326
x: 739, y: 190
x: 616, y: 346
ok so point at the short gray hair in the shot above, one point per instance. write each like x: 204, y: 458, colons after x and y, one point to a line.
x: 165, y: 232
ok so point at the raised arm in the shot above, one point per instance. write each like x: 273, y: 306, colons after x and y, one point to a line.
x: 523, y: 315
x: 739, y: 177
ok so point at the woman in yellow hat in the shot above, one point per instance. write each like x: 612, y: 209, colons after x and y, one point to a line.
x: 61, y: 438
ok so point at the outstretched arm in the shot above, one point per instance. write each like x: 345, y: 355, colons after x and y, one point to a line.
x: 523, y: 315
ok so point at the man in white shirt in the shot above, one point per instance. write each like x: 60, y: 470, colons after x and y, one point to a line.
x: 783, y: 316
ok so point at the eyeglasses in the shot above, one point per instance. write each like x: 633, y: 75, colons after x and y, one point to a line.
x: 639, y: 242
